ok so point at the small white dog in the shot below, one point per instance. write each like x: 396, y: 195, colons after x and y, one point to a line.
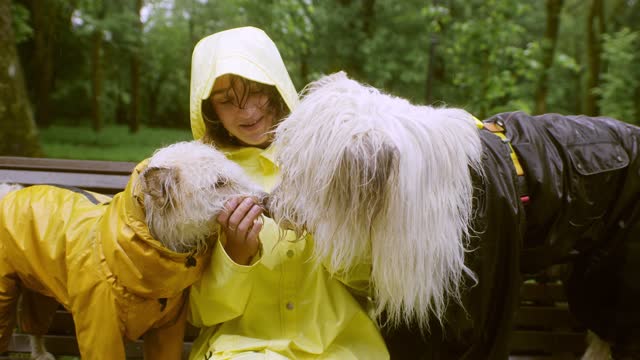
x: 435, y: 200
x: 120, y: 265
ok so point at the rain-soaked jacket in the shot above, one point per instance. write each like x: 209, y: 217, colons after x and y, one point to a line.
x: 577, y: 202
x: 583, y: 176
x: 282, y: 305
x: 95, y: 256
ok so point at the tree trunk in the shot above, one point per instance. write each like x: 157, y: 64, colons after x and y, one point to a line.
x: 44, y: 15
x: 134, y: 117
x: 96, y: 80
x: 18, y: 132
x: 595, y: 29
x: 368, y: 14
x: 428, y: 95
x: 578, y: 84
x: 97, y: 67
x: 637, y: 102
x: 554, y: 8
x: 431, y: 62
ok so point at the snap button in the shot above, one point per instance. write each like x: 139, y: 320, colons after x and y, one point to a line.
x: 619, y: 158
x: 290, y: 253
x: 289, y: 305
x: 579, y: 166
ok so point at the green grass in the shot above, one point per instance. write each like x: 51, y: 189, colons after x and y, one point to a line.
x: 114, y: 142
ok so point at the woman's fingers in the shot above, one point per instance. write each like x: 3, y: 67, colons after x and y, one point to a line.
x: 241, y: 222
x: 229, y: 208
x: 247, y: 222
x: 252, y: 236
x: 242, y: 217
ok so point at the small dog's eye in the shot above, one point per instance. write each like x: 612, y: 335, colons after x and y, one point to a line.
x: 221, y: 182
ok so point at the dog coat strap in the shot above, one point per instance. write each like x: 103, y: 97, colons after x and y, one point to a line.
x: 497, y: 128
x: 86, y: 194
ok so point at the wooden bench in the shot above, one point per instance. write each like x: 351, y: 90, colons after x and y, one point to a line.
x: 544, y: 329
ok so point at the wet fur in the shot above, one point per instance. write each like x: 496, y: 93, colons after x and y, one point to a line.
x: 366, y: 187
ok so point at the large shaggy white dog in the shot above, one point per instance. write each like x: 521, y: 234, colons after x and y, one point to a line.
x: 120, y: 265
x: 440, y: 207
x: 366, y: 184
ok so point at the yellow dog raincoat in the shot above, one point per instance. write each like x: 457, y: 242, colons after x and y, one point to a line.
x: 95, y: 256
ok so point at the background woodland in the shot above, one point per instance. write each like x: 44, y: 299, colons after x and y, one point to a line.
x: 97, y: 64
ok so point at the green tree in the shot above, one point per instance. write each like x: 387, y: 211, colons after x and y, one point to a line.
x: 46, y: 17
x: 18, y: 133
x: 621, y: 78
x: 549, y: 43
x: 595, y: 28
x: 492, y: 59
x: 135, y: 65
x: 112, y: 65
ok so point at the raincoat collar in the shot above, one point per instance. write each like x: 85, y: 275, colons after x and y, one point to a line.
x: 258, y: 164
x: 244, y: 153
x: 246, y: 52
x: 137, y: 260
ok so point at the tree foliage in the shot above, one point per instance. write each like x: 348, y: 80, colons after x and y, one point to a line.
x: 114, y: 64
x: 621, y: 77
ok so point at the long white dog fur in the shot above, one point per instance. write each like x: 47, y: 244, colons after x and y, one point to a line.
x: 343, y: 178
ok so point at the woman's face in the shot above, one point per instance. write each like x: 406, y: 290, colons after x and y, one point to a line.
x: 244, y: 110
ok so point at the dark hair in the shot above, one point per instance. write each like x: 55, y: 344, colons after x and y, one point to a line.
x: 216, y: 133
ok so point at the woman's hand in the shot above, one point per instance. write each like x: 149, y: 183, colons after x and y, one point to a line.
x: 241, y: 223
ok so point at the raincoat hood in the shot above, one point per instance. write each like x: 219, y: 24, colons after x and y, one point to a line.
x: 135, y: 257
x: 247, y: 52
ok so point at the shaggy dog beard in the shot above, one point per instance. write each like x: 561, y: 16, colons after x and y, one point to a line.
x: 378, y: 180
x: 185, y: 186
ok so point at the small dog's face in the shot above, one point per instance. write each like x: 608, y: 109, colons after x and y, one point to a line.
x: 185, y: 186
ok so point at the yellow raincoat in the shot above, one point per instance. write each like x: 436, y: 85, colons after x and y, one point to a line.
x: 282, y: 305
x: 95, y: 256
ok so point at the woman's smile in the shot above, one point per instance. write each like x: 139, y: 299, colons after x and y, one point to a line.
x: 244, y: 112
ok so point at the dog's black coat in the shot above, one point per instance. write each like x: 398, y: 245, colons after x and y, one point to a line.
x: 583, y: 179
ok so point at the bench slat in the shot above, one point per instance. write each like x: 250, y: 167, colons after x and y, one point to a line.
x: 65, y: 165
x: 545, y: 317
x: 95, y: 182
x: 550, y: 342
x: 62, y: 324
x: 545, y: 292
x: 67, y: 345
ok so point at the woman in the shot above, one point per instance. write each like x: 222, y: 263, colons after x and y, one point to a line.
x: 263, y: 298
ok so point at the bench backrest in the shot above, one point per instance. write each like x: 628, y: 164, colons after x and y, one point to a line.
x: 107, y: 177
